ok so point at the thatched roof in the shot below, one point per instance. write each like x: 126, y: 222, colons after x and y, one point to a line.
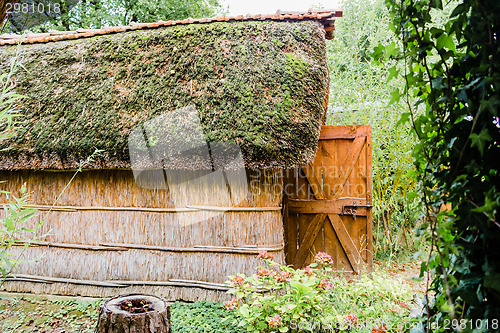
x: 258, y: 83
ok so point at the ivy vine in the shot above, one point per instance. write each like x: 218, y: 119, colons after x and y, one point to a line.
x: 452, y: 91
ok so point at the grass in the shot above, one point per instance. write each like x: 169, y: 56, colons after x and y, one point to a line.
x: 36, y: 314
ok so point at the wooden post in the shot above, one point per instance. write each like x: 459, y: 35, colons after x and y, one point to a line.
x: 134, y: 313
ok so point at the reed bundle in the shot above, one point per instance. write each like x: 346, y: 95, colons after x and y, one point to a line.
x: 208, y: 234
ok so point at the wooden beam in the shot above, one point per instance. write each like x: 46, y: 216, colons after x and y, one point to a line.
x: 313, y: 181
x: 118, y: 283
x: 350, y: 162
x: 71, y: 246
x: 50, y: 279
x: 345, y: 240
x: 291, y: 232
x: 343, y: 132
x: 309, y: 237
x: 369, y: 197
x: 187, y: 209
x: 198, y: 248
x: 234, y: 209
x: 324, y: 206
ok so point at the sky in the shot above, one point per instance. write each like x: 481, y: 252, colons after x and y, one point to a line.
x: 243, y: 7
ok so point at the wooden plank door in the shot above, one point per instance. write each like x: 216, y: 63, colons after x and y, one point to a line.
x: 327, y: 202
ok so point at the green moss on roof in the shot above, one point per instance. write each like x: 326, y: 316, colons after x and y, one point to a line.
x: 260, y: 85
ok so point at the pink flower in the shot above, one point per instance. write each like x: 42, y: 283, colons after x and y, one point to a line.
x: 238, y: 281
x: 264, y: 255
x: 404, y: 305
x: 262, y: 272
x: 283, y: 276
x: 323, y: 284
x: 351, y: 319
x: 323, y: 259
x: 231, y: 305
x: 308, y: 270
x: 274, y: 321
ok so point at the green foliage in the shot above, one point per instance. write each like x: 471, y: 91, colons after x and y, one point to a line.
x: 360, y: 94
x: 37, y: 314
x: 314, y: 299
x: 16, y: 224
x: 96, y: 14
x: 277, y: 297
x: 200, y: 317
x: 452, y: 82
x: 375, y: 299
x: 16, y: 227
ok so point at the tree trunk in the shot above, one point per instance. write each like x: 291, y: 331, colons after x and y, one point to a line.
x: 134, y: 313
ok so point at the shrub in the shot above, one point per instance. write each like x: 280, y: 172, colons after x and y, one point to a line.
x: 371, y: 301
x: 314, y: 299
x: 278, y: 297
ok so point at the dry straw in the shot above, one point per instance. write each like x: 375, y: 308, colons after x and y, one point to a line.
x: 137, y: 249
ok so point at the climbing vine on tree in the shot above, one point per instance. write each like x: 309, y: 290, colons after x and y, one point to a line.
x: 452, y: 91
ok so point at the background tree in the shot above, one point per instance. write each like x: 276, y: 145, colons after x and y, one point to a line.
x: 74, y: 14
x: 452, y: 74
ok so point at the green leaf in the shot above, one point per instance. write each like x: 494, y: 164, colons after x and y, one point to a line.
x: 479, y: 140
x: 244, y: 310
x: 393, y: 72
x: 390, y: 49
x: 9, y: 224
x: 492, y: 281
x: 436, y: 4
x: 403, y: 119
x: 395, y: 96
x: 460, y: 9
x: 490, y: 205
x: 261, y: 325
x: 445, y: 41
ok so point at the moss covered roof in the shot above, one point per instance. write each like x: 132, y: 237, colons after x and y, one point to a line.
x: 258, y: 84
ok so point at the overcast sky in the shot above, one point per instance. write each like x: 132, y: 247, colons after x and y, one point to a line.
x: 243, y: 7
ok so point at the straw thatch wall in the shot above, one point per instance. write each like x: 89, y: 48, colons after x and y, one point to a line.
x: 101, y: 230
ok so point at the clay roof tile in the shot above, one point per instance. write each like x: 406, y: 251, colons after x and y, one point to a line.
x: 327, y: 17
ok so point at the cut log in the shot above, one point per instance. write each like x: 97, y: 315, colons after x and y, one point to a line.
x: 134, y: 313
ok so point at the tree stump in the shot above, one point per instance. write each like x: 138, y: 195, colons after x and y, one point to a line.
x: 134, y: 313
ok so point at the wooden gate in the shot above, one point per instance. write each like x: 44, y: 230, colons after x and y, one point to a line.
x: 327, y: 204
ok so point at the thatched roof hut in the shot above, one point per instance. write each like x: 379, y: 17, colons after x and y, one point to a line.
x: 257, y: 83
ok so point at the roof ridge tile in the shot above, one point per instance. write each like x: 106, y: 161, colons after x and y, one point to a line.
x: 326, y: 16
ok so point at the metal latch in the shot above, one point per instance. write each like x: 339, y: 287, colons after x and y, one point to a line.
x: 353, y: 210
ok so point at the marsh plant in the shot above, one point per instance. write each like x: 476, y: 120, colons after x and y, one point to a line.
x: 19, y: 222
x: 15, y: 224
